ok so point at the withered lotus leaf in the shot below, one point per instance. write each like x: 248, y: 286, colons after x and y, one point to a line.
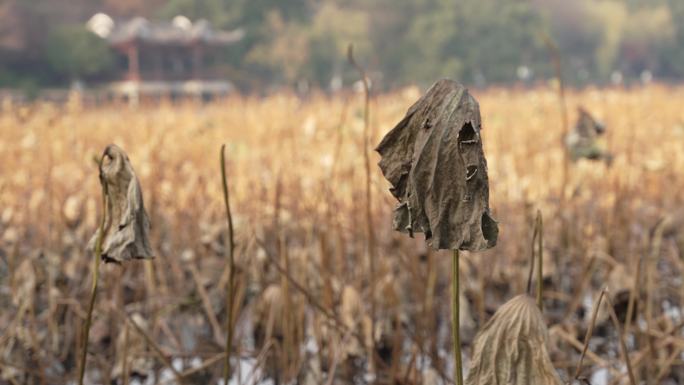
x: 434, y: 160
x: 511, y: 348
x: 126, y: 225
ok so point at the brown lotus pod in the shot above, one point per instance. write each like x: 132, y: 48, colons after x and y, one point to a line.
x: 126, y: 225
x: 434, y: 160
x: 511, y: 348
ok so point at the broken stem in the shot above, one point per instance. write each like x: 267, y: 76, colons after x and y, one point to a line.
x: 96, y: 276
x: 231, y: 276
x: 621, y: 338
x: 455, y: 318
x: 590, y: 331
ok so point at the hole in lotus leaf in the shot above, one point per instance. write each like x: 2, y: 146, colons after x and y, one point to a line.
x: 470, y: 172
x: 467, y: 134
x: 490, y: 230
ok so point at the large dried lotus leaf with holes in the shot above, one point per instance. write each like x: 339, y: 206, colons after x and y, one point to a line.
x: 126, y: 223
x: 511, y: 348
x: 434, y: 160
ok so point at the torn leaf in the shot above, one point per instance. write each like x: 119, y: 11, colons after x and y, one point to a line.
x: 126, y: 225
x: 434, y: 160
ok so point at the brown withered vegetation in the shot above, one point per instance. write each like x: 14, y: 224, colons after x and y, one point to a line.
x: 434, y: 160
x: 126, y: 225
x: 511, y: 348
x: 297, y: 185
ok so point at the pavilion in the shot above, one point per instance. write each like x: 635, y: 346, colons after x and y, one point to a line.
x: 166, y: 58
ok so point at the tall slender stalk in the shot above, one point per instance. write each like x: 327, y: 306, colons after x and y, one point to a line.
x: 96, y: 276
x: 590, y: 332
x: 535, y: 233
x: 621, y: 339
x: 231, y: 276
x: 633, y: 294
x: 557, y: 65
x: 369, y: 217
x: 538, y: 241
x: 455, y: 318
x: 540, y: 263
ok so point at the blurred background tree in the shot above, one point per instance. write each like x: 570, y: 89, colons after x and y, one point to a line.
x: 302, y: 42
x: 74, y: 51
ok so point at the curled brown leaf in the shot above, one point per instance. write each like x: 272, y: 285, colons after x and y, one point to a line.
x: 434, y: 160
x: 126, y: 225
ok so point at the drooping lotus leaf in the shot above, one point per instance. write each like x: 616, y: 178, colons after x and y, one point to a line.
x: 434, y: 160
x: 511, y: 348
x: 126, y: 224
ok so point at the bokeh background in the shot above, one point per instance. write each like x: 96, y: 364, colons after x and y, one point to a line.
x: 170, y: 81
x: 302, y: 43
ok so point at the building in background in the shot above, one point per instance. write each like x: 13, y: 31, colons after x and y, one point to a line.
x: 157, y: 58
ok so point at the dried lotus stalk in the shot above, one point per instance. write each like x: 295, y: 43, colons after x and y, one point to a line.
x: 126, y: 225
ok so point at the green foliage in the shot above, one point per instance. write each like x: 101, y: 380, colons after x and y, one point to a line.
x: 76, y: 52
x: 672, y: 55
x: 314, y: 51
x: 467, y: 40
x: 400, y: 41
x: 332, y: 30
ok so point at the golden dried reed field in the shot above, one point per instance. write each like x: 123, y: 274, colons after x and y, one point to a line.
x: 297, y: 184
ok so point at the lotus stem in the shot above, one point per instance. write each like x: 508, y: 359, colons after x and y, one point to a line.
x: 96, y: 276
x: 555, y: 54
x: 369, y: 217
x: 538, y: 243
x: 540, y: 263
x: 621, y: 339
x: 231, y: 276
x: 590, y: 332
x: 455, y: 319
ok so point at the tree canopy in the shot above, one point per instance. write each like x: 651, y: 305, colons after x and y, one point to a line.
x: 400, y: 41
